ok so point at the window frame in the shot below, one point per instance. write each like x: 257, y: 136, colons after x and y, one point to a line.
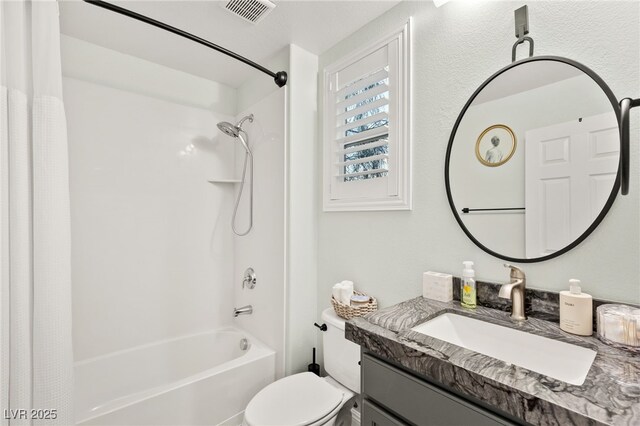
x: 365, y: 195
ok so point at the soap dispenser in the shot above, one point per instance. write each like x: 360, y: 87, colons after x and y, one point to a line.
x: 468, y: 290
x: 576, y: 310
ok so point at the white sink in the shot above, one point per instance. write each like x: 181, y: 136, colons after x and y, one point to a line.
x: 559, y: 360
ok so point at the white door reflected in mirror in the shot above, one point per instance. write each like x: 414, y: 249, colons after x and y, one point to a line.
x: 570, y: 169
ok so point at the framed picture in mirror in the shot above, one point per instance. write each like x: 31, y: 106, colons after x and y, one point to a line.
x: 496, y: 145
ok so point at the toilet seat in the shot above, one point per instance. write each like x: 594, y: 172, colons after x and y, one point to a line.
x: 298, y: 400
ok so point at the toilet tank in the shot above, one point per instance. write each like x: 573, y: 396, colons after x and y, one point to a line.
x: 340, y: 356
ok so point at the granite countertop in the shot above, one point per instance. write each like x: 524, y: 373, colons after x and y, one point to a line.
x: 610, y: 394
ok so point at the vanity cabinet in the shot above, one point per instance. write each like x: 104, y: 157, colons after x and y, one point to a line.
x: 393, y: 397
x: 372, y: 415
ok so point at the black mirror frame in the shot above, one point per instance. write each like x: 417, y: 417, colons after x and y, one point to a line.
x: 614, y: 191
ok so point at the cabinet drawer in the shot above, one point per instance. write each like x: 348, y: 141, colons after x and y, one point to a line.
x: 376, y: 416
x: 418, y: 401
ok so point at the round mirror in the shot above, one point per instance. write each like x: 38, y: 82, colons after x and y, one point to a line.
x: 532, y: 162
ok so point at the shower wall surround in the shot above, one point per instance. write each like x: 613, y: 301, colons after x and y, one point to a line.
x: 263, y: 248
x: 152, y: 249
x: 471, y: 41
x: 156, y: 266
x: 125, y: 116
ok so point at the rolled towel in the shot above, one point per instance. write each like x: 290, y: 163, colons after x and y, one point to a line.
x: 346, y: 291
x: 336, y: 291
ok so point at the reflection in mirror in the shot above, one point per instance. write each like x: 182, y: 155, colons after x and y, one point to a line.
x: 534, y: 159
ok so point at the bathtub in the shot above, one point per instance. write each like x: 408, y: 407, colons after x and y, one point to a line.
x: 200, y: 379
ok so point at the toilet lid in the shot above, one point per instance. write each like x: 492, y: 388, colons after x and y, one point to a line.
x: 296, y: 400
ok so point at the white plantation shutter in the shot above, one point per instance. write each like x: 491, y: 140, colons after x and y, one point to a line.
x: 366, y: 128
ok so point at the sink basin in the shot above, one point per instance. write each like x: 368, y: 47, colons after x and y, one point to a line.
x: 559, y: 360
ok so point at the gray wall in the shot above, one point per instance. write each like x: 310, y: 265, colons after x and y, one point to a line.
x: 455, y: 48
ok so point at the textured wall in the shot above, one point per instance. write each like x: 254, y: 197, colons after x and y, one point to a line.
x: 455, y: 48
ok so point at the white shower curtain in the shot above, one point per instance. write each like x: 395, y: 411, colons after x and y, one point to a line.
x: 35, y: 348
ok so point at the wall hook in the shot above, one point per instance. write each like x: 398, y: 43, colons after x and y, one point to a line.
x: 522, y: 29
x: 625, y: 106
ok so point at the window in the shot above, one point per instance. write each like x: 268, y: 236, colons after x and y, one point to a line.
x: 366, y: 128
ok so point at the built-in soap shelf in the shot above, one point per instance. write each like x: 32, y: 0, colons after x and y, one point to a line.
x: 224, y: 181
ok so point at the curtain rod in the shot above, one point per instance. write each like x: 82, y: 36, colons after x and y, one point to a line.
x: 280, y: 77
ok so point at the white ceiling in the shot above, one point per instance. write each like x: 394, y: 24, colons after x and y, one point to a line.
x: 312, y: 25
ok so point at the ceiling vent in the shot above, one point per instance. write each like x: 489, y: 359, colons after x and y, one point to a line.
x: 250, y: 10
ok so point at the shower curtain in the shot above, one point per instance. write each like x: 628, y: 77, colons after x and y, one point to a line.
x: 36, y: 358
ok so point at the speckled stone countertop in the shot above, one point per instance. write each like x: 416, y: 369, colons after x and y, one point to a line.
x: 610, y: 394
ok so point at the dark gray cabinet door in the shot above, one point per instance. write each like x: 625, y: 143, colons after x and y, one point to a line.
x: 376, y: 416
x: 417, y: 401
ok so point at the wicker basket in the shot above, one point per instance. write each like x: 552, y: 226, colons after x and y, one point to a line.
x: 347, y: 312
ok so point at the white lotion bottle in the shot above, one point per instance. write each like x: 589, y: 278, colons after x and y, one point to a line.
x: 576, y: 310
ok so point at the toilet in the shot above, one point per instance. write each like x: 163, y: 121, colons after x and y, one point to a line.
x: 305, y: 399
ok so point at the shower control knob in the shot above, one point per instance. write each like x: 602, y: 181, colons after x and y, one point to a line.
x: 249, y: 280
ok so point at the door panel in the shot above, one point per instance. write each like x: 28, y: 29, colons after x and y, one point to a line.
x: 569, y: 172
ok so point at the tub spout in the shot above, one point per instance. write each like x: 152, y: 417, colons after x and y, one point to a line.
x: 245, y: 310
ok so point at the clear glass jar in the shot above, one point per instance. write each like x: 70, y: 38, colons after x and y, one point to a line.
x: 619, y: 325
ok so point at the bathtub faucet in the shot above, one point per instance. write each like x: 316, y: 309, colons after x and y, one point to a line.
x: 245, y: 310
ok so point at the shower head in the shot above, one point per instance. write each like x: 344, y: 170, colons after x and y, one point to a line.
x: 234, y: 130
x: 228, y: 129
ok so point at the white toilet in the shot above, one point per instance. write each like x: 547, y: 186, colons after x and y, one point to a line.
x: 305, y: 399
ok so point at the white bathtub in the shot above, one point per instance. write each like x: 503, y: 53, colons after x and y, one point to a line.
x: 201, y: 379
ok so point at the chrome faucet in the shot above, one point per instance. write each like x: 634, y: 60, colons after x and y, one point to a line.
x: 515, y: 291
x: 245, y: 310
